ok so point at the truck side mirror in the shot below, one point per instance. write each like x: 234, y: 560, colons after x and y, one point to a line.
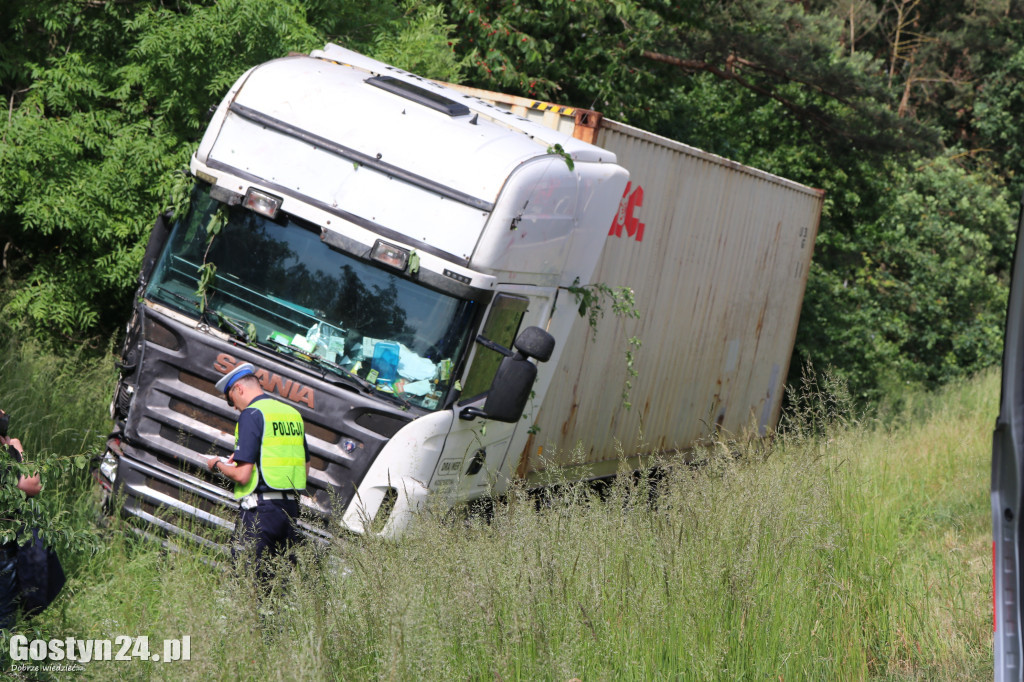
x: 534, y: 342
x: 513, y: 382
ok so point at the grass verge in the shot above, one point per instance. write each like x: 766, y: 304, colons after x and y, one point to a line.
x: 844, y: 549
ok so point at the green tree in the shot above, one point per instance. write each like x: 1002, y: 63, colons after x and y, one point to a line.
x: 87, y: 151
x: 923, y: 302
x: 870, y: 101
x: 421, y: 43
x: 907, y: 113
x: 107, y: 100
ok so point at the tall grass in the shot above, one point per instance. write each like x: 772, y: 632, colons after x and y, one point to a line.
x: 843, y: 549
x: 57, y: 409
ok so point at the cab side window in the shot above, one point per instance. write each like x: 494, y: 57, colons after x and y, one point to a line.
x: 501, y: 327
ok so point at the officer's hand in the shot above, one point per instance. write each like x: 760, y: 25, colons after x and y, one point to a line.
x: 14, y: 443
x: 213, y: 460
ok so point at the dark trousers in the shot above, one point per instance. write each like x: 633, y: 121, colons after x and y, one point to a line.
x: 267, y: 531
x: 8, y: 590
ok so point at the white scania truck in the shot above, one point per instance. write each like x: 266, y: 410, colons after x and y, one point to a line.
x: 400, y: 260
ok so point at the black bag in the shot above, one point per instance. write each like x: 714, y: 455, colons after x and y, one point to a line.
x: 40, y: 576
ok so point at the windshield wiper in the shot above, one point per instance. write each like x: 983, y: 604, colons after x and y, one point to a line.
x: 319, y: 363
x: 394, y: 397
x: 246, y: 333
x: 344, y: 374
x: 173, y: 294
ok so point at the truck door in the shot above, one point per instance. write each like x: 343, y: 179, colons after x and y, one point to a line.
x: 474, y: 460
x: 1008, y: 484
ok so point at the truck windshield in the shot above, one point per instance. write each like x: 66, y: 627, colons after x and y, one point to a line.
x: 277, y: 284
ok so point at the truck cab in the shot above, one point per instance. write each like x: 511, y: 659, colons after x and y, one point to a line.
x: 393, y: 256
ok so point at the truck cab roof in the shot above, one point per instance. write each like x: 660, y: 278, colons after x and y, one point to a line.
x: 398, y: 156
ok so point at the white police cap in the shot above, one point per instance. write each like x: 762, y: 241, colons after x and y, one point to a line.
x: 229, y: 379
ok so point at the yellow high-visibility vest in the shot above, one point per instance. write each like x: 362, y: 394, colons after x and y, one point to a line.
x: 282, y: 461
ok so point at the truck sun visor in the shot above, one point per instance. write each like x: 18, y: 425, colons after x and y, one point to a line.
x: 427, y: 98
x: 262, y: 203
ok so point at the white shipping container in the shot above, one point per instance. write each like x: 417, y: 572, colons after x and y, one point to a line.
x: 718, y: 255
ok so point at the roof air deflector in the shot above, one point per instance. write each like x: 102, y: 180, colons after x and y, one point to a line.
x: 419, y: 95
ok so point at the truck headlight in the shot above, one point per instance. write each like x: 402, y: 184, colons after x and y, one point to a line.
x: 108, y: 466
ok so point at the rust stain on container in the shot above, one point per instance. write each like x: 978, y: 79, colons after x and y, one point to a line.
x: 523, y: 467
x: 572, y: 417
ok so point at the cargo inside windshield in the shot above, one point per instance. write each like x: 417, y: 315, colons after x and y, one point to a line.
x: 278, y: 285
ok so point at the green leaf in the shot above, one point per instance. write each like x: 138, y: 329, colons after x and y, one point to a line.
x: 560, y: 151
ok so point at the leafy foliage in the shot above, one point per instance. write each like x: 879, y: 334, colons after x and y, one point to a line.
x: 103, y: 111
x: 906, y: 114
x: 926, y: 302
x: 584, y: 52
x: 422, y: 43
x: 56, y: 411
x: 21, y: 513
x: 903, y: 112
x: 87, y: 154
x: 591, y: 300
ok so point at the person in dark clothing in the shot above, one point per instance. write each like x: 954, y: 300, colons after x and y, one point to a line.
x: 9, y: 591
x: 268, y: 467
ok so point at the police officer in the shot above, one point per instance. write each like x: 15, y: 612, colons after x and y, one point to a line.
x: 268, y: 467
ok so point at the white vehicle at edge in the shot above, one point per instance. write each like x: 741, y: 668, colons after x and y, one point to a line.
x: 1008, y: 486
